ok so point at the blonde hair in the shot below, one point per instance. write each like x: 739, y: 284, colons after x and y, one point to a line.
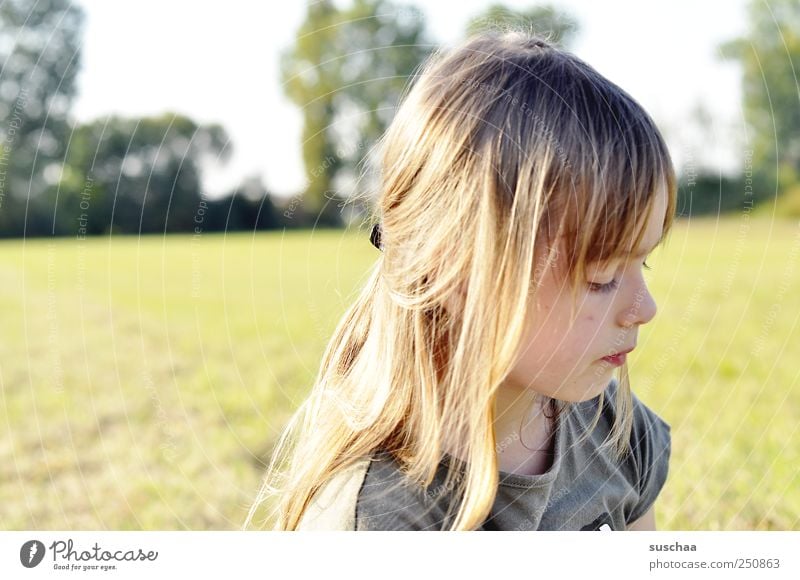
x: 504, y: 145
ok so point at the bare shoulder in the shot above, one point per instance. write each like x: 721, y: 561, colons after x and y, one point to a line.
x: 333, y: 507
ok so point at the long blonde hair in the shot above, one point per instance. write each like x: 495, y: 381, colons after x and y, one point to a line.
x: 503, y: 145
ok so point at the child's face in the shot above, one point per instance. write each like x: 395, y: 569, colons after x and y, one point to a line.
x: 564, y: 360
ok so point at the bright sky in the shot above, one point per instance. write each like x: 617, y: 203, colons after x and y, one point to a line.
x: 218, y: 62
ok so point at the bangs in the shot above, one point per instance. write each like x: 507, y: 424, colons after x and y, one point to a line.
x: 615, y: 166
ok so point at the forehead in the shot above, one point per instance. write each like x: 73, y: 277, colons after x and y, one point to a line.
x: 653, y: 228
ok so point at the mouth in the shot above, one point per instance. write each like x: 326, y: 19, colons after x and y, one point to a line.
x: 617, y: 359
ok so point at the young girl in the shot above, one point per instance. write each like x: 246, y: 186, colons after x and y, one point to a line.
x: 471, y: 384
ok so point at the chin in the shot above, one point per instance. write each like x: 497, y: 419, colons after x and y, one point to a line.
x: 588, y: 393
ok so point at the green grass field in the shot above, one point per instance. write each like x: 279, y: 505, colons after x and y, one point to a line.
x: 144, y: 380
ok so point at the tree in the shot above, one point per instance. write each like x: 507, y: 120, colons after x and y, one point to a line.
x: 347, y: 70
x: 559, y: 27
x: 40, y: 58
x: 769, y: 54
x: 248, y: 207
x: 136, y: 175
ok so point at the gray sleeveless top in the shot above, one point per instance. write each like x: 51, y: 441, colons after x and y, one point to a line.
x: 585, y: 488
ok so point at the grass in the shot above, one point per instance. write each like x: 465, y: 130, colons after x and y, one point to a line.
x: 144, y: 380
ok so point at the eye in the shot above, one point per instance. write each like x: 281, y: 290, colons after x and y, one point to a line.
x: 610, y: 286
x: 603, y: 288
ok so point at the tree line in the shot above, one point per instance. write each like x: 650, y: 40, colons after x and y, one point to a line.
x: 346, y: 71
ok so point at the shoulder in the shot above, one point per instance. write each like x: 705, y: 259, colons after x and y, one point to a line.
x: 374, y: 494
x: 651, y: 447
x: 648, y: 426
x: 389, y: 500
x: 651, y: 441
x: 333, y: 507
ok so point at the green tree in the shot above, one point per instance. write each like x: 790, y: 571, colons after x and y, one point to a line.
x: 136, y: 175
x: 346, y: 71
x: 769, y: 54
x: 39, y: 59
x: 248, y: 207
x: 558, y: 26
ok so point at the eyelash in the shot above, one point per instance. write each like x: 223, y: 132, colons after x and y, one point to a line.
x: 609, y: 286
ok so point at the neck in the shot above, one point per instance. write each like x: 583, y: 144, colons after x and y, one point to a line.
x: 522, y: 431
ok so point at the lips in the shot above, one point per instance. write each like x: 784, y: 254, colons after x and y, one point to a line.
x: 617, y: 359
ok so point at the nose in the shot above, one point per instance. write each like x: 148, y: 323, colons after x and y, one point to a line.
x: 640, y: 308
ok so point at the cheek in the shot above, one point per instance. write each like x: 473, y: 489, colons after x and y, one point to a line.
x: 577, y: 341
x: 548, y: 345
x: 591, y: 332
x: 551, y: 339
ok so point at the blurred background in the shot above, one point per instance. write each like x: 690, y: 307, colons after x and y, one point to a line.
x: 184, y: 197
